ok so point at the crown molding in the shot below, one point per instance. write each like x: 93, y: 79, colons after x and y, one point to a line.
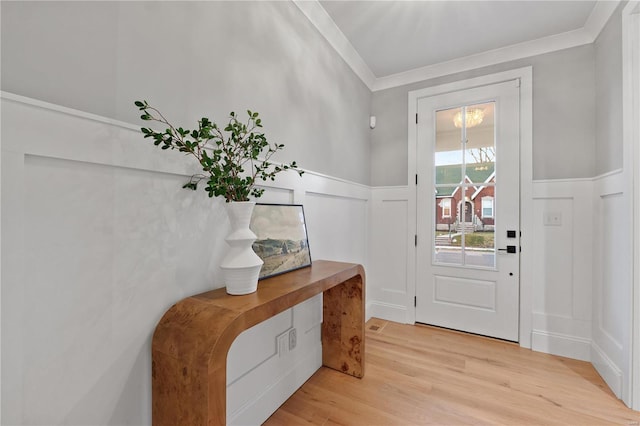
x: 599, y: 17
x: 596, y: 21
x: 336, y: 38
x: 319, y: 17
x: 492, y: 57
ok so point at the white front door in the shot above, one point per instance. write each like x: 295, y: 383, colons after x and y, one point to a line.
x: 468, y: 210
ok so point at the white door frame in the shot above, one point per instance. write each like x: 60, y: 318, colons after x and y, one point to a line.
x: 526, y: 186
x: 631, y: 145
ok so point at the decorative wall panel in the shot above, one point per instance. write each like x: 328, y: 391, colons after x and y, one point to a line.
x: 99, y: 240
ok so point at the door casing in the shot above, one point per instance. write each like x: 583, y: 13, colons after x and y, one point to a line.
x: 526, y: 186
x: 631, y: 148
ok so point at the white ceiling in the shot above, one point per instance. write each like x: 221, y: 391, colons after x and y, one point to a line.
x: 389, y: 43
x: 397, y: 36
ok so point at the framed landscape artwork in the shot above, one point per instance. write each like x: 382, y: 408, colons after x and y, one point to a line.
x: 282, y: 241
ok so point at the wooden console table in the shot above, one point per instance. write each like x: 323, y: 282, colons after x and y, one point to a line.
x: 191, y: 341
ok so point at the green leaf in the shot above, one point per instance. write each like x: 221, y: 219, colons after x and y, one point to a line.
x: 222, y: 166
x: 190, y: 185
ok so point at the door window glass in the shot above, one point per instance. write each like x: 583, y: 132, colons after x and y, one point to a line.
x: 465, y: 179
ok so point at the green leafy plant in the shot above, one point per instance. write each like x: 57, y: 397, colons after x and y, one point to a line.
x: 223, y: 154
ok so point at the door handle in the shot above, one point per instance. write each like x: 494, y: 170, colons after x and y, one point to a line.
x: 509, y: 249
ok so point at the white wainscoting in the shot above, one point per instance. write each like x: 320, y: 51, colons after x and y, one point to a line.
x: 562, y: 259
x: 612, y: 283
x: 390, y: 293
x: 99, y: 240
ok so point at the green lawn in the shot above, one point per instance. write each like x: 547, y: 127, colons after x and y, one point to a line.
x: 476, y: 239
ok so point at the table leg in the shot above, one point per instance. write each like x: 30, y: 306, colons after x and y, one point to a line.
x: 343, y: 327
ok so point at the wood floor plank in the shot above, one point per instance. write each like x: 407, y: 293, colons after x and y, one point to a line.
x: 421, y: 375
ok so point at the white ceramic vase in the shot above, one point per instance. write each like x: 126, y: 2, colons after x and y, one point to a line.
x: 241, y: 266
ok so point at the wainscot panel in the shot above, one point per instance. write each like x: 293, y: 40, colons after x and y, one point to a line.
x: 388, y: 283
x: 612, y: 283
x: 562, y: 251
x: 100, y: 240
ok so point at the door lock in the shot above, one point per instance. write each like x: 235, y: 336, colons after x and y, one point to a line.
x: 509, y: 249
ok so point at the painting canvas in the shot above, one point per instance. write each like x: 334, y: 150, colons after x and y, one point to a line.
x: 282, y: 241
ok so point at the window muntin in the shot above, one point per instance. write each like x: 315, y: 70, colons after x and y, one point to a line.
x: 464, y: 163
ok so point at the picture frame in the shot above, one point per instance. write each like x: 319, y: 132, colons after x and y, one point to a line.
x: 282, y: 241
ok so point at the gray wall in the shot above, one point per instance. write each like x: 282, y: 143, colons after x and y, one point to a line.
x: 192, y: 59
x: 114, y: 249
x: 563, y: 117
x: 608, y: 65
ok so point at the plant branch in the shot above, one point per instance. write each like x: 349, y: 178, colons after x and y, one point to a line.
x: 224, y: 167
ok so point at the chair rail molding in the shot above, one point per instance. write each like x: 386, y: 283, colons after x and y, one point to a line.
x: 101, y: 213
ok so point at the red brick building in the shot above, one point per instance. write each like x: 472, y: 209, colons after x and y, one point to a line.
x: 474, y: 210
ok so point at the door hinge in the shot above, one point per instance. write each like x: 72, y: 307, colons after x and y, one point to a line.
x: 415, y: 240
x: 415, y: 301
x: 416, y: 118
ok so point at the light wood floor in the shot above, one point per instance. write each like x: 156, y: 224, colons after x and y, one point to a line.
x: 419, y: 375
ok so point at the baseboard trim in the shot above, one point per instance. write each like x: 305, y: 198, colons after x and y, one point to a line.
x: 388, y: 311
x: 561, y: 345
x: 259, y: 409
x: 609, y: 371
